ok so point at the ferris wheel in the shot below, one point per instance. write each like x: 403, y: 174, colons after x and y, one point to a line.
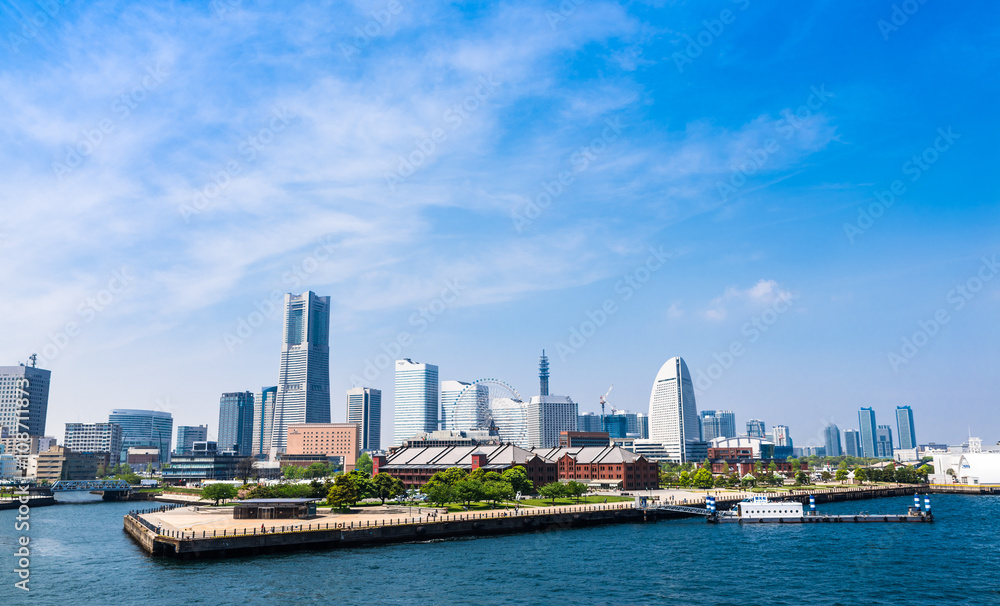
x: 494, y: 405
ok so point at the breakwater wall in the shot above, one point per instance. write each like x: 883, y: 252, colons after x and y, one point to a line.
x: 292, y: 535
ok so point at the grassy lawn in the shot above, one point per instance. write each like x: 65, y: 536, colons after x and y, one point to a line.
x: 168, y: 489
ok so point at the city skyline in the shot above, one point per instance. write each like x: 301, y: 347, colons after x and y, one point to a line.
x: 604, y: 199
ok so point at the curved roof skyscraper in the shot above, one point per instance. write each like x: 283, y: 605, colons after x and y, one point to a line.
x: 673, y: 417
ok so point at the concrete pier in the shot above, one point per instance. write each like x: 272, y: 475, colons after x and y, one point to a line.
x: 202, y: 532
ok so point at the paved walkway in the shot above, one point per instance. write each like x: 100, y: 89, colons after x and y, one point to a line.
x: 215, y: 520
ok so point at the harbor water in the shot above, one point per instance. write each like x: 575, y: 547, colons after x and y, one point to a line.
x: 80, y: 554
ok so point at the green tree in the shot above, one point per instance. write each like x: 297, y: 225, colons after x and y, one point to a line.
x: 343, y: 493
x: 576, y: 489
x: 293, y: 472
x: 552, y: 491
x: 861, y: 474
x: 889, y: 473
x: 219, y: 492
x: 317, y: 470
x: 364, y: 464
x: 826, y: 475
x: 131, y: 478
x: 725, y: 468
x: 841, y: 475
x: 439, y: 493
x: 669, y: 479
x: 387, y: 487
x: 703, y: 478
x: 497, y: 491
x: 102, y: 471
x: 801, y: 478
x: 684, y: 480
x: 772, y: 467
x: 758, y: 468
x: 843, y: 465
x: 363, y: 485
x: 468, y: 490
x: 907, y: 475
x: 517, y: 477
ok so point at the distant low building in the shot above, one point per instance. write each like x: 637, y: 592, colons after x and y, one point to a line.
x: 452, y: 437
x: 61, y: 463
x: 604, y: 467
x: 414, y: 466
x: 204, y: 462
x: 8, y: 467
x: 760, y: 448
x: 329, y: 439
x: 569, y: 439
x: 139, y: 458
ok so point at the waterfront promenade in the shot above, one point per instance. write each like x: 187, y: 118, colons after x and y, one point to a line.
x: 199, y: 531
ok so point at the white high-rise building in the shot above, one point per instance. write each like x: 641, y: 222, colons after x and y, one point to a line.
x: 464, y: 406
x: 547, y: 416
x: 95, y: 438
x: 364, y: 408
x: 673, y: 416
x: 416, y: 399
x: 20, y: 384
x: 304, y: 377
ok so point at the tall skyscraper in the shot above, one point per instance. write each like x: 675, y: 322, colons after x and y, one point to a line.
x: 187, y: 435
x: 756, y: 428
x: 589, y: 422
x: 866, y: 424
x: 883, y: 442
x: 236, y: 422
x: 450, y: 390
x: 304, y: 377
x: 144, y: 429
x: 832, y: 439
x: 673, y: 415
x: 364, y: 408
x: 263, y: 420
x: 904, y: 427
x: 852, y: 443
x: 416, y: 399
x: 17, y: 384
x: 95, y: 438
x: 717, y: 424
x: 547, y: 416
x: 782, y: 437
x: 543, y: 375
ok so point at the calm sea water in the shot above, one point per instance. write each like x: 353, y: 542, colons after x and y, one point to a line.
x: 81, y: 555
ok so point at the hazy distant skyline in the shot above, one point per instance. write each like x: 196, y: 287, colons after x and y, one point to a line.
x: 489, y: 178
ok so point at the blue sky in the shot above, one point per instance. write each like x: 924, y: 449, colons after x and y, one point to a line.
x: 167, y: 167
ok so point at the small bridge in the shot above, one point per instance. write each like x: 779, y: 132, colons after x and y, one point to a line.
x: 694, y: 511
x: 91, y: 486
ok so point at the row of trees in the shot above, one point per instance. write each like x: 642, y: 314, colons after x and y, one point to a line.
x: 349, y: 488
x: 455, y: 485
x: 118, y: 472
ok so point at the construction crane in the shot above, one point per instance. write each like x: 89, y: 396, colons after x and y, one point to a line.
x: 604, y: 400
